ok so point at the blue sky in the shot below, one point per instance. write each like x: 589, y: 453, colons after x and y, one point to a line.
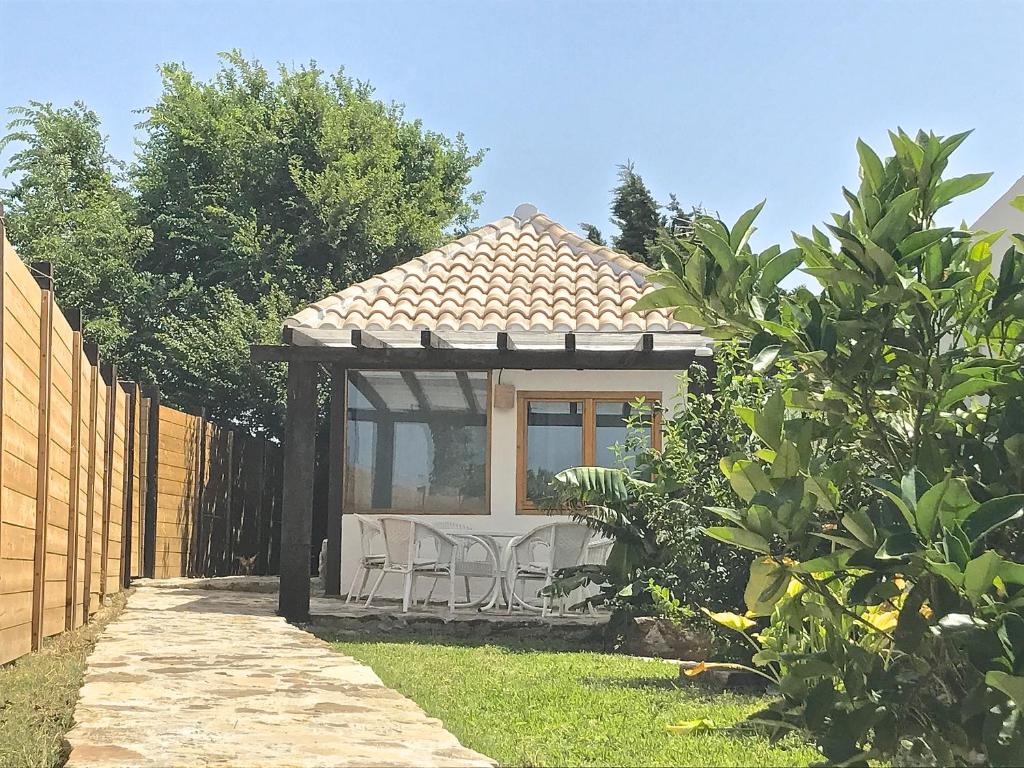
x: 723, y: 103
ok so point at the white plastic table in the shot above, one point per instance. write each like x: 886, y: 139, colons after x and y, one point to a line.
x: 497, y: 544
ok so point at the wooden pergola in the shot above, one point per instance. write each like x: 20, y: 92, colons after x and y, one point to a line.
x: 307, y: 352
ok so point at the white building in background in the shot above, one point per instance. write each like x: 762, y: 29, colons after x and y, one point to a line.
x: 1002, y: 215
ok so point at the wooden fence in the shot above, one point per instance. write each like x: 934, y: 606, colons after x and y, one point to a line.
x: 100, y: 482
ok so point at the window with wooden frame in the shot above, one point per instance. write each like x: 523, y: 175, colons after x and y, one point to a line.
x: 559, y: 430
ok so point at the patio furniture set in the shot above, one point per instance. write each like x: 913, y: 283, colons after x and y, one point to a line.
x: 507, y: 562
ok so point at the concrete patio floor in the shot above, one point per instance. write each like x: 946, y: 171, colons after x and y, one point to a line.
x: 203, y: 677
x: 335, y: 610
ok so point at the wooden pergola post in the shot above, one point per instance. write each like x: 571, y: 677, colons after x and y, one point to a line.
x: 336, y: 481
x: 297, y: 492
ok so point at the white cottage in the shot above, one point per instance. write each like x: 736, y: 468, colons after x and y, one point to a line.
x: 462, y: 380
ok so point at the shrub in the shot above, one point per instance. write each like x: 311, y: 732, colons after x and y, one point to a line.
x: 887, y: 469
x: 653, y: 505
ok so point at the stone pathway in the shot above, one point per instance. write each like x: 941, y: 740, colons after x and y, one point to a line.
x: 188, y: 677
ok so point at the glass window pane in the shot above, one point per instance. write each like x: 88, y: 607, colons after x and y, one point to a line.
x: 611, y: 431
x: 554, y: 441
x: 417, y: 442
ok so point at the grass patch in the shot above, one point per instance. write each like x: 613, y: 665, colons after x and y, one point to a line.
x: 529, y: 706
x: 38, y: 694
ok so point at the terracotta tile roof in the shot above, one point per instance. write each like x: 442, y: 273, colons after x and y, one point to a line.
x: 524, y: 272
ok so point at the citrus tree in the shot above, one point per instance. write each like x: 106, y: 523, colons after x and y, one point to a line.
x: 883, y: 597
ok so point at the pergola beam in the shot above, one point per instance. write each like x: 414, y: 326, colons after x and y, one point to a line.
x: 416, y: 388
x: 480, y: 358
x: 505, y: 342
x: 431, y: 340
x: 467, y: 390
x: 369, y: 392
x: 367, y: 340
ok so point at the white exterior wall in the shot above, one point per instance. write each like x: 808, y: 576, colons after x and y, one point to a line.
x: 1003, y: 216
x: 503, y: 516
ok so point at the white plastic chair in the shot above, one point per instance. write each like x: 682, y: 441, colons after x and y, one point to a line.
x: 596, y: 552
x: 414, y: 548
x: 539, y: 554
x: 371, y: 556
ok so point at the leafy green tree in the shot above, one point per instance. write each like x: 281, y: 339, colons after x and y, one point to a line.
x: 889, y: 466
x: 68, y: 205
x: 265, y: 194
x: 636, y: 214
x: 300, y: 184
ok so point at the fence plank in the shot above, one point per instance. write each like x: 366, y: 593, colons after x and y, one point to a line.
x: 92, y: 448
x: 74, y: 471
x: 100, y: 482
x: 20, y: 556
x: 42, y: 462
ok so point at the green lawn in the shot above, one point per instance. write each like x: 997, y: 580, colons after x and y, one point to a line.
x: 567, y: 708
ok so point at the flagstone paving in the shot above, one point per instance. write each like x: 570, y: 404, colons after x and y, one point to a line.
x: 188, y: 677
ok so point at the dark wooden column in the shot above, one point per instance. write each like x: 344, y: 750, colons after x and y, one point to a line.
x: 152, y: 394
x: 128, y: 535
x: 297, y: 503
x: 336, y: 481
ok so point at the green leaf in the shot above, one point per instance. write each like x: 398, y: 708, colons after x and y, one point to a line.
x: 992, y: 514
x: 812, y: 667
x: 732, y: 515
x: 895, y: 217
x: 980, y: 573
x: 949, y: 571
x: 740, y: 537
x: 967, y: 388
x: 606, y: 484
x: 720, y: 251
x: 895, y: 495
x: 778, y: 268
x: 881, y: 258
x: 741, y: 231
x: 961, y: 185
x: 787, y: 461
x: 746, y: 477
x: 843, y: 541
x: 916, y: 242
x: 689, y: 726
x: 871, y: 166
x: 767, y: 584
x: 768, y: 421
x: 897, y: 546
x: 946, y: 501
x: 662, y: 298
x: 766, y: 358
x: 826, y: 563
x: 730, y: 620
x: 1011, y: 685
x: 745, y: 414
x: 1018, y: 202
x: 857, y: 522
x: 824, y: 491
